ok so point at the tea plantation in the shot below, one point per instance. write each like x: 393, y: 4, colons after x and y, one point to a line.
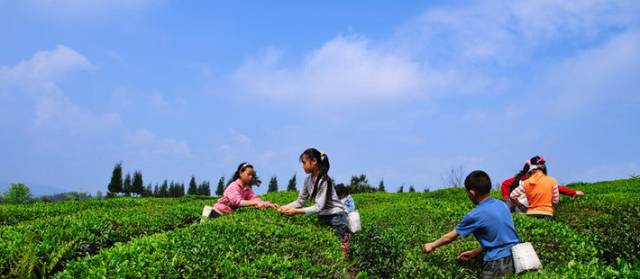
x: 593, y: 236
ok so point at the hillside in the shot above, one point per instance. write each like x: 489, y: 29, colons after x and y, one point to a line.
x: 594, y: 235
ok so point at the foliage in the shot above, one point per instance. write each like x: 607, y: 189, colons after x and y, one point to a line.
x: 273, y: 185
x: 17, y: 193
x: 292, y: 184
x: 592, y: 237
x: 42, y: 246
x: 220, y: 188
x: 360, y: 184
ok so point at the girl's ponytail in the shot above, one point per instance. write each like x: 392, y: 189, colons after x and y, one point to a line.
x: 323, y: 170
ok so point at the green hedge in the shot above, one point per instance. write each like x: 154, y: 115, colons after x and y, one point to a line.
x: 592, y: 236
x: 14, y: 214
x: 251, y: 243
x: 42, y: 246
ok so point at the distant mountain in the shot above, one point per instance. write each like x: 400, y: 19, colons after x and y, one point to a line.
x: 36, y: 189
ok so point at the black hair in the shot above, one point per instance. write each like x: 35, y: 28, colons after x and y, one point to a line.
x: 535, y: 160
x: 241, y: 168
x: 323, y: 169
x: 478, y: 180
x: 342, y: 190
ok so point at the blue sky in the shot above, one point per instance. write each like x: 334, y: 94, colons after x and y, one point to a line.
x: 402, y: 93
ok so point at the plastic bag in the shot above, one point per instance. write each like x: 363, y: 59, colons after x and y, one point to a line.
x: 525, y: 257
x: 354, y: 221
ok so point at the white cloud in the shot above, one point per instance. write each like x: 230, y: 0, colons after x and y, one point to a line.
x: 38, y: 79
x: 46, y: 67
x: 144, y: 141
x: 596, y: 76
x: 160, y: 103
x: 508, y: 32
x: 470, y: 48
x: 345, y: 69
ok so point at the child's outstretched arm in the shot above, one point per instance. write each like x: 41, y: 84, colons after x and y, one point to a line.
x: 467, y: 255
x: 444, y: 240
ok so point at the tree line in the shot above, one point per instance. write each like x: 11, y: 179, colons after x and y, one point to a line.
x: 133, y: 185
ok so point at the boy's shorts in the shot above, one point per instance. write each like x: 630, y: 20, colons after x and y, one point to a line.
x: 498, y: 268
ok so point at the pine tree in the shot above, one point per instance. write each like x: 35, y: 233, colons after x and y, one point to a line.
x: 193, y: 187
x: 292, y: 184
x: 164, y: 189
x: 115, y: 186
x: 273, y: 185
x: 148, y: 192
x: 220, y: 188
x: 181, y: 190
x: 156, y: 191
x: 138, y: 184
x: 127, y: 185
x: 381, y: 186
x: 401, y: 189
x: 411, y: 189
x: 204, y: 189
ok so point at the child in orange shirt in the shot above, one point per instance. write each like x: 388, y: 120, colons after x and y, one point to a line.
x: 541, y: 191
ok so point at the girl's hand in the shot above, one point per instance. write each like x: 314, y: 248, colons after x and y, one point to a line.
x: 284, y: 209
x: 579, y: 193
x: 466, y: 256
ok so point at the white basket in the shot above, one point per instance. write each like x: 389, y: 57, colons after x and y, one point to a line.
x: 354, y: 221
x: 525, y: 257
x: 206, y: 211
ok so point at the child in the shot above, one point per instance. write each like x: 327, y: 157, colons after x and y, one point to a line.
x: 510, y: 184
x: 541, y: 191
x: 318, y: 186
x: 345, y: 197
x: 239, y: 193
x: 492, y: 225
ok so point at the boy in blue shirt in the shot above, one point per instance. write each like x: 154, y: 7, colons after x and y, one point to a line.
x: 345, y: 197
x: 492, y: 225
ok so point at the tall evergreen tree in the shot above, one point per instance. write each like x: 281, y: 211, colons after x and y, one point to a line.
x: 148, y: 191
x: 381, y: 186
x: 127, y: 187
x: 292, y: 184
x: 138, y: 184
x: 164, y: 189
x: 411, y: 189
x: 181, y: 190
x: 193, y: 187
x: 115, y: 186
x: 220, y: 188
x: 401, y: 189
x: 204, y: 189
x: 156, y: 191
x: 273, y: 185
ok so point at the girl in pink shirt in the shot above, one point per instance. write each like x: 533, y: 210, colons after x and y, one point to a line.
x: 239, y: 193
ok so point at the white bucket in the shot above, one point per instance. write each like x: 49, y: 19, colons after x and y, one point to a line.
x: 354, y: 221
x: 525, y: 257
x: 206, y: 211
